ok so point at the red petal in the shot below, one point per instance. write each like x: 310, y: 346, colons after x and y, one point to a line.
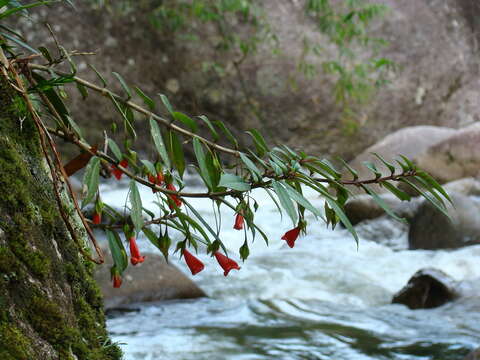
x: 226, y: 263
x: 238, y: 222
x: 97, y: 218
x: 291, y: 235
x: 135, y: 257
x: 194, y: 264
x: 117, y: 281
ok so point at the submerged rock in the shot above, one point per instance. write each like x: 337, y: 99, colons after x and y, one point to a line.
x: 153, y: 280
x: 426, y: 289
x: 430, y: 229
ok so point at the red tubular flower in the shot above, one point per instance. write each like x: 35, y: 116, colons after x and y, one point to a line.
x: 135, y: 257
x: 97, y: 218
x: 153, y: 180
x: 226, y: 263
x: 291, y: 235
x: 193, y: 263
x: 160, y: 178
x: 174, y: 198
x: 238, y: 222
x: 116, y: 171
x: 117, y: 281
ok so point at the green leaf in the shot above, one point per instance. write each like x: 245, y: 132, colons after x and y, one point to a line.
x: 146, y: 99
x: 431, y: 200
x: 300, y: 199
x: 371, y: 166
x: 396, y: 191
x: 210, y: 126
x: 350, y: 169
x: 186, y: 120
x: 123, y: 84
x: 119, y: 255
x: 201, y: 219
x: 19, y: 42
x: 286, y: 202
x: 127, y: 122
x: 136, y: 207
x: 176, y: 152
x: 382, y: 204
x: 433, y: 183
x: 21, y: 8
x: 150, y: 167
x: 158, y: 141
x: 234, y: 182
x: 259, y: 142
x: 166, y: 103
x: 390, y: 166
x: 102, y: 79
x: 201, y: 159
x: 91, y: 179
x: 74, y: 126
x: 254, y: 171
x: 82, y: 90
x: 54, y: 99
x: 227, y: 132
x: 115, y: 149
x: 44, y: 51
x: 343, y: 218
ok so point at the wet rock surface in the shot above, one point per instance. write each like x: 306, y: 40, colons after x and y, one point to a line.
x: 426, y: 289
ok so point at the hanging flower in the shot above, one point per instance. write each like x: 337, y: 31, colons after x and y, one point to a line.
x: 238, y: 222
x: 174, y: 198
x: 97, y: 218
x: 117, y: 281
x: 194, y: 264
x: 291, y: 235
x: 116, y: 171
x: 152, y: 179
x: 135, y: 257
x: 226, y: 263
x: 160, y: 178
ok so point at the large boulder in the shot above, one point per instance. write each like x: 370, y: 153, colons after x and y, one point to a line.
x: 454, y: 158
x: 153, y: 280
x: 409, y: 142
x: 426, y: 289
x: 430, y: 229
x: 467, y: 186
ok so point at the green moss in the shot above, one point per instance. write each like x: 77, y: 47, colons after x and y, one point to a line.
x: 14, y: 344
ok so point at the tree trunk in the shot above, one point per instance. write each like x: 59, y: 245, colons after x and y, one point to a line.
x: 50, y: 306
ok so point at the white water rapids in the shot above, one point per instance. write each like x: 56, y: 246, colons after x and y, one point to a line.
x: 322, y: 299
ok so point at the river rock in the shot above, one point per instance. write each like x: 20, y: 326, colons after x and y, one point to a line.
x: 153, y: 280
x: 410, y: 142
x: 426, y: 289
x: 430, y: 229
x: 454, y: 158
x: 474, y: 355
x: 467, y: 186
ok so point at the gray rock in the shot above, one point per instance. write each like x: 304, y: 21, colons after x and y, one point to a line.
x: 426, y: 289
x: 454, y: 158
x: 467, y: 186
x: 430, y: 229
x: 153, y: 280
x: 409, y: 142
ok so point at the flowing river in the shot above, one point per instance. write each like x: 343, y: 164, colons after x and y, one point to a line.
x: 323, y: 299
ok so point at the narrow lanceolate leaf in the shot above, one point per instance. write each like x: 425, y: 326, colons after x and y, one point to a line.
x: 18, y: 42
x: 300, y: 199
x: 201, y: 219
x: 254, y: 171
x: 186, y: 120
x: 343, y: 218
x: 127, y: 121
x: 119, y: 255
x: 286, y: 202
x: 213, y: 131
x: 167, y: 104
x: 402, y: 195
x: 389, y: 166
x: 102, y: 79
x: 175, y: 149
x: 74, y: 126
x: 54, y: 99
x: 115, y: 149
x: 82, y: 90
x: 259, y: 142
x: 227, y: 133
x: 158, y: 141
x: 123, y: 84
x: 350, y: 169
x: 22, y: 8
x: 146, y: 99
x: 371, y: 166
x: 202, y: 163
x: 434, y: 184
x: 430, y: 199
x: 382, y: 204
x: 234, y: 182
x: 136, y: 207
x: 150, y: 167
x: 91, y: 179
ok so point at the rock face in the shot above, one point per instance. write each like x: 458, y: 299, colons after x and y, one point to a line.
x: 426, y: 289
x: 409, y: 142
x: 454, y: 158
x: 430, y: 229
x: 435, y: 44
x: 152, y: 280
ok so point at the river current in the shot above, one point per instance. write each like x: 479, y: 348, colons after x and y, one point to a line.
x: 323, y: 299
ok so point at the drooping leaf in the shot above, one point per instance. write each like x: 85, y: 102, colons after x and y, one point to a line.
x: 91, y: 179
x: 402, y: 195
x: 150, y: 167
x: 119, y: 255
x: 259, y: 142
x: 158, y: 141
x: 254, y: 171
x: 74, y: 126
x: 343, y: 218
x: 167, y: 104
x: 175, y: 149
x: 382, y: 204
x: 300, y: 199
x: 286, y: 202
x: 135, y: 206
x: 115, y: 149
